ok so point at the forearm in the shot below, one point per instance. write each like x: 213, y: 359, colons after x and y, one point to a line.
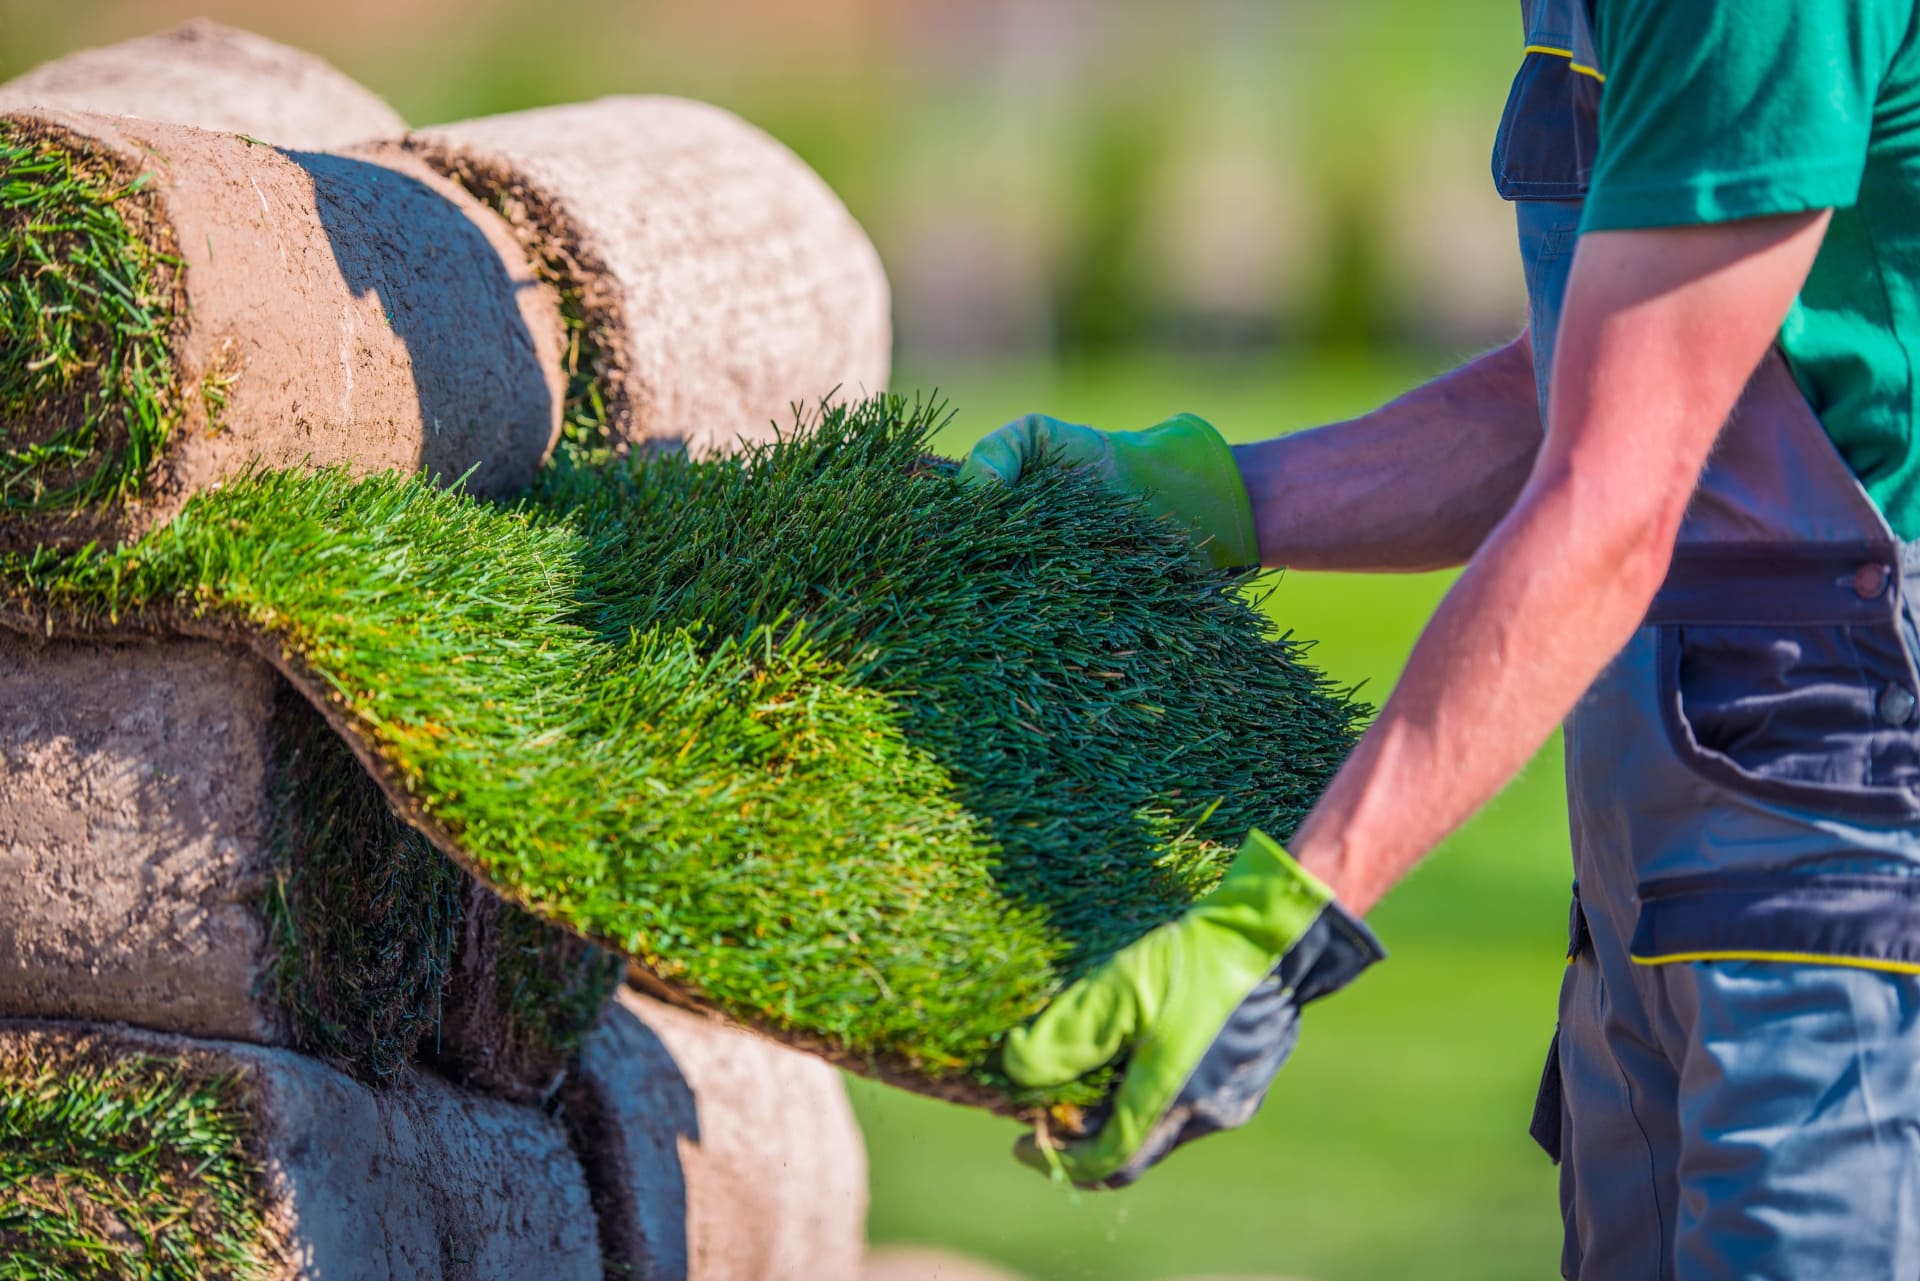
x: 1660, y: 332
x: 1523, y: 633
x: 1417, y: 484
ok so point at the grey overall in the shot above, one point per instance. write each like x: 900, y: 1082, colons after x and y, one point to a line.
x: 1734, y: 1090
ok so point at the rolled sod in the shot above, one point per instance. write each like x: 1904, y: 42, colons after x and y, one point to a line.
x: 382, y: 954
x: 817, y: 736
x: 190, y: 848
x: 712, y: 280
x: 212, y: 77
x: 178, y: 305
x: 679, y: 1148
x: 126, y: 1154
x: 137, y: 796
x: 713, y: 1153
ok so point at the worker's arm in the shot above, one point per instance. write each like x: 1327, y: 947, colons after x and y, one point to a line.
x: 1416, y: 484
x: 1660, y: 332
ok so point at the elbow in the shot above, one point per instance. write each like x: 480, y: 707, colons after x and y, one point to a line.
x: 1640, y: 542
x: 1620, y: 535
x: 1644, y: 560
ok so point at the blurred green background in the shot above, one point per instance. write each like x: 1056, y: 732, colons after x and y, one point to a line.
x: 1271, y: 212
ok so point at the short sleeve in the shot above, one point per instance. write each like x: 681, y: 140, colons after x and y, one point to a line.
x: 1715, y: 110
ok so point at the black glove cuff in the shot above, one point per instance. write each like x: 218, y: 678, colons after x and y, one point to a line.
x: 1330, y: 955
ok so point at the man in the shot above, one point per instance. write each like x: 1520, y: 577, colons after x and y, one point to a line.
x: 1718, y: 206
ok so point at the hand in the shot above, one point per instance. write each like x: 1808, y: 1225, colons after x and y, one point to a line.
x: 1182, y: 468
x: 1205, y: 1010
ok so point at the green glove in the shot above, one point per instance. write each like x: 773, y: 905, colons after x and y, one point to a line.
x: 1183, y: 468
x: 1204, y: 1010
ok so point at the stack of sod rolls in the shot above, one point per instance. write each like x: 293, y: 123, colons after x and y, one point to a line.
x: 676, y: 1150
x: 369, y: 1061
x: 193, y: 849
x: 363, y: 1059
x: 181, y: 304
x: 673, y: 703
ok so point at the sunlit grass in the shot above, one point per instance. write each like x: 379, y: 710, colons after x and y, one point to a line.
x: 86, y: 377
x: 125, y: 1166
x: 820, y: 736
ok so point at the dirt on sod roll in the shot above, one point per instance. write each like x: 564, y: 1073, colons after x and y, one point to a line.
x: 817, y: 737
x: 522, y: 999
x: 212, y: 77
x: 711, y: 279
x: 179, y: 304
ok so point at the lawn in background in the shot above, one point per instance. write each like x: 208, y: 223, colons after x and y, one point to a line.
x: 1394, y: 1144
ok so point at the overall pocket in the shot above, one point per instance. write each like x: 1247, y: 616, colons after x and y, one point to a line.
x: 1820, y: 715
x: 1549, y: 132
x: 1845, y: 911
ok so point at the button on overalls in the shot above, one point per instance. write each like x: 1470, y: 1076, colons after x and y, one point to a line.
x: 1734, y: 1090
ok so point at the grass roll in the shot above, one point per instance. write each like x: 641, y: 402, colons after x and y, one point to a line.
x: 708, y: 278
x: 178, y: 304
x: 815, y: 736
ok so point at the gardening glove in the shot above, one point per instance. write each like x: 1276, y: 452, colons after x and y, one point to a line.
x: 1204, y: 1010
x: 1183, y: 468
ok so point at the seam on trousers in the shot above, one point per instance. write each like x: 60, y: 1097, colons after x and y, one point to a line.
x: 1895, y: 1191
x: 1664, y: 1255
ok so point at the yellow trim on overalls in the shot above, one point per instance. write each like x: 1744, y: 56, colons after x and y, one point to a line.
x: 1578, y: 68
x: 1795, y: 958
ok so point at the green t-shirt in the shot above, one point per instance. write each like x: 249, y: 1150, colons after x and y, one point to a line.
x: 1721, y: 109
